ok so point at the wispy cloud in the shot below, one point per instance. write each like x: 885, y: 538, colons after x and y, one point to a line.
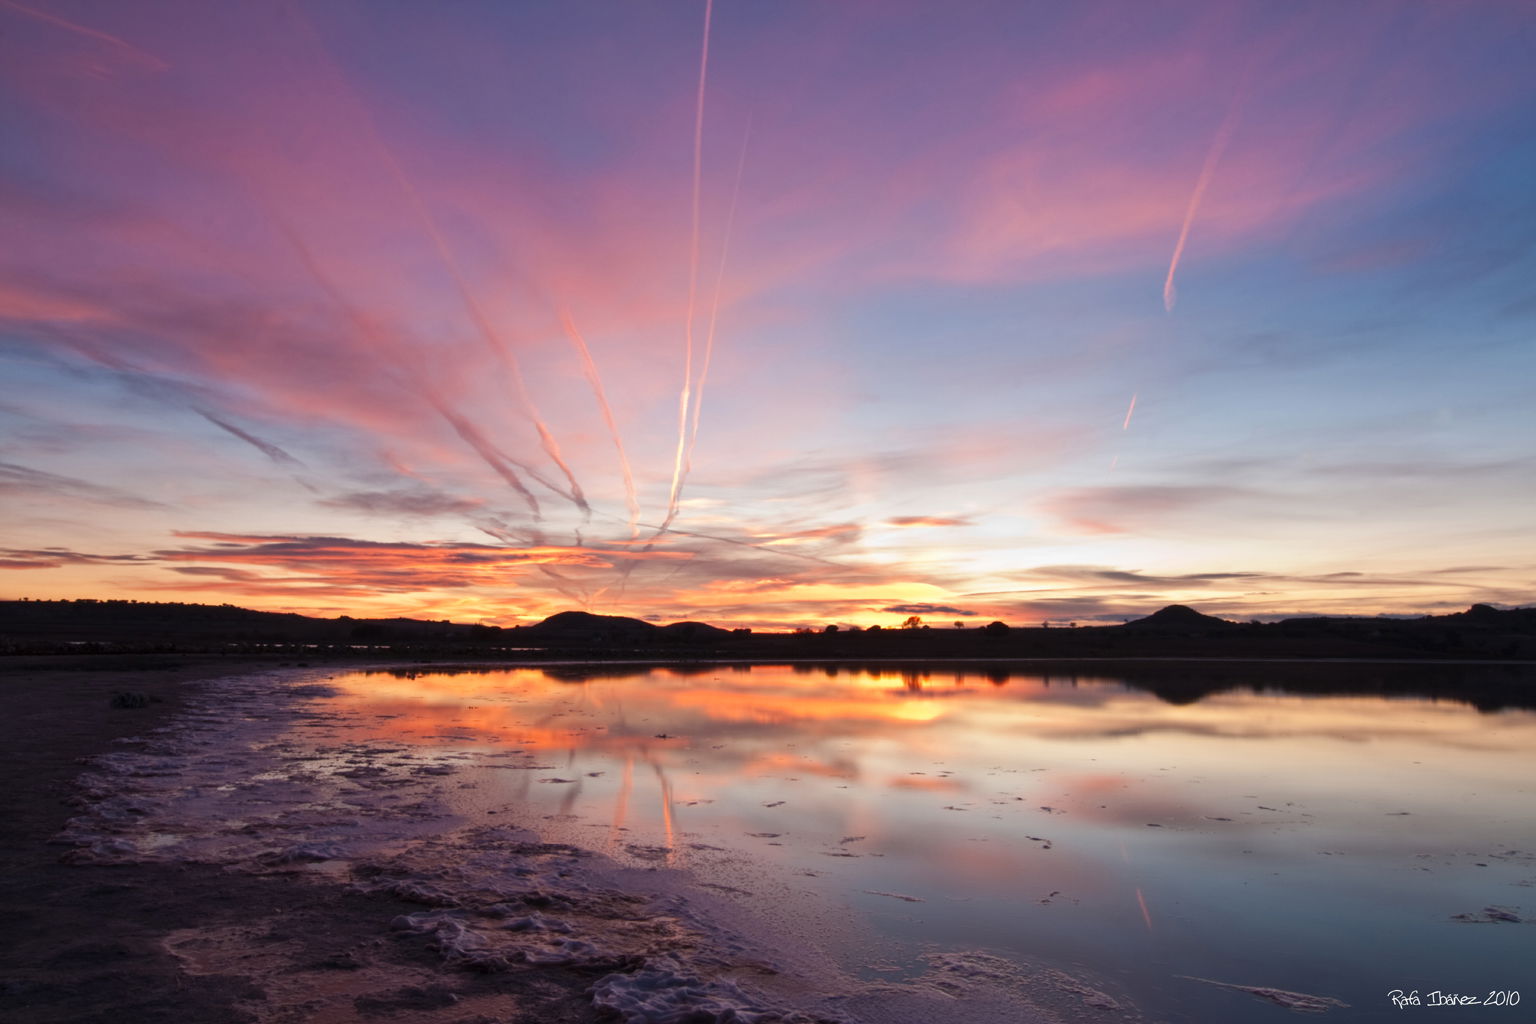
x: 417, y: 502
x: 925, y: 609
x: 53, y: 558
x: 926, y: 521
x: 266, y: 448
x: 1100, y: 575
x: 1110, y: 510
x: 394, y: 565
x: 19, y: 481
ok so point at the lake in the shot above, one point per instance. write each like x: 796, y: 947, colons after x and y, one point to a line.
x: 1188, y: 835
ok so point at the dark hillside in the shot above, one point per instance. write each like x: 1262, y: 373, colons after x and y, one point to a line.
x: 86, y: 626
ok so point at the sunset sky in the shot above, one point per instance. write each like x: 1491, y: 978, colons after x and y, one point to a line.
x: 769, y: 314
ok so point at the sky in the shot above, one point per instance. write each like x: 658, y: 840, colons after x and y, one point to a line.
x: 769, y: 315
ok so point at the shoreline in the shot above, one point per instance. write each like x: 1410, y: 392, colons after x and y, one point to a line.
x: 209, y: 665
x: 120, y: 928
x: 93, y: 944
x: 338, y: 881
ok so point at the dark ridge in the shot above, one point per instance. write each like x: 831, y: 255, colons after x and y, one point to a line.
x: 573, y: 624
x: 110, y: 627
x: 695, y: 630
x: 1178, y: 616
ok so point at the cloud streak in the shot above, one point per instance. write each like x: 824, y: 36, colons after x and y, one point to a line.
x: 123, y: 45
x: 685, y: 395
x: 17, y: 481
x: 1218, y: 146
x: 54, y: 558
x: 266, y: 448
x: 392, y: 566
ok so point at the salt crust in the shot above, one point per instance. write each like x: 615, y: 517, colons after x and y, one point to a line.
x: 260, y: 777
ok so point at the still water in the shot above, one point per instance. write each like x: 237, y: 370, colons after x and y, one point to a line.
x: 1333, y: 830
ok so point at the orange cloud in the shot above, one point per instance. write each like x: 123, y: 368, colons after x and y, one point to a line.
x: 337, y: 561
x: 911, y: 522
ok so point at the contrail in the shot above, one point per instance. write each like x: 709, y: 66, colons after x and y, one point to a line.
x: 714, y: 309
x: 467, y: 431
x: 661, y: 528
x: 562, y: 585
x: 267, y: 448
x: 493, y: 527
x: 70, y: 26
x: 589, y: 367
x: 445, y: 254
x: 1127, y: 424
x: 684, y: 397
x: 495, y: 457
x: 1212, y: 158
x: 488, y: 333
x: 785, y: 552
x: 146, y: 383
x: 471, y: 436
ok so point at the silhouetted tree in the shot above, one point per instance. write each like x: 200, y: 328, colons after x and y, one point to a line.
x: 995, y: 629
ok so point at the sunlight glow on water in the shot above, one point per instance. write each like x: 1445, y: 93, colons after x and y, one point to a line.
x: 1316, y: 843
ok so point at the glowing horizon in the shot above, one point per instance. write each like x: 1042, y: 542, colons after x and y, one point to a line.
x: 769, y: 317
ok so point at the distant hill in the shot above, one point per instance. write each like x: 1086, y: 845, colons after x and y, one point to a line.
x: 586, y: 626
x: 86, y: 626
x: 587, y: 629
x: 1178, y: 617
x: 37, y: 626
x: 148, y: 622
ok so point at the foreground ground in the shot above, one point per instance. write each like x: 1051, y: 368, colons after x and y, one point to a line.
x: 93, y: 943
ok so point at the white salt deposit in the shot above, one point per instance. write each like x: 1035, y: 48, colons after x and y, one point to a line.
x: 666, y: 991
x: 1299, y: 1001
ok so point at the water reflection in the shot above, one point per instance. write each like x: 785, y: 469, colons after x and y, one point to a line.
x: 1313, y: 827
x: 1486, y: 686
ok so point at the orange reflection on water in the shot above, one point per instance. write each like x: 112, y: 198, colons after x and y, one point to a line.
x: 1047, y: 805
x: 930, y: 784
x: 1104, y: 753
x: 621, y: 805
x: 669, y: 828
x: 785, y: 707
x: 436, y: 700
x: 777, y: 763
x: 1141, y: 901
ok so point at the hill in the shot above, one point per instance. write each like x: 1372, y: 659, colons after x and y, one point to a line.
x: 94, y: 626
x: 1178, y: 618
x: 85, y: 625
x: 587, y: 629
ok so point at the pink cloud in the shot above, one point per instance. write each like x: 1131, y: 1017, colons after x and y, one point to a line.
x: 1136, y: 508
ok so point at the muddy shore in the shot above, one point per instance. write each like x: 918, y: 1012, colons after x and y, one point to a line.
x: 93, y: 943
